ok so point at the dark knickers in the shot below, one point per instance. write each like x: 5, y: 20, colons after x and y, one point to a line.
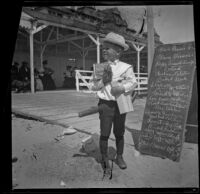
x: 109, y: 116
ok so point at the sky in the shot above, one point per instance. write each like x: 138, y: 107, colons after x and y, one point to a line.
x: 174, y: 23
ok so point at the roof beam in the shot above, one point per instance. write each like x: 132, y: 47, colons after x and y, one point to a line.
x: 65, y: 39
x: 68, y: 27
x: 56, y: 21
x: 135, y: 42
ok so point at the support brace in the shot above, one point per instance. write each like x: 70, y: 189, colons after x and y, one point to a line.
x: 39, y: 29
x: 76, y: 45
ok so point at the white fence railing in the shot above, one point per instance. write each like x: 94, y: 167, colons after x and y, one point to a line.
x: 142, y: 79
x: 83, y: 77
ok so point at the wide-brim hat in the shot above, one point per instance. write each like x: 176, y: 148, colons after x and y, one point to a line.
x: 115, y: 39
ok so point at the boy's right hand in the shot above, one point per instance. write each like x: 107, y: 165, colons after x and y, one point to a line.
x: 107, y: 75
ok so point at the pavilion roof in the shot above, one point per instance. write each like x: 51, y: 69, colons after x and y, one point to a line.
x: 84, y: 19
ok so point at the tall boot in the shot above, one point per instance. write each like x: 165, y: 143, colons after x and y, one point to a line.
x: 120, y: 149
x: 103, y: 144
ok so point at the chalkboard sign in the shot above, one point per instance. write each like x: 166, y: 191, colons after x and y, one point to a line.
x: 169, y: 94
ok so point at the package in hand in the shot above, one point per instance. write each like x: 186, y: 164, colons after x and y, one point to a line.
x: 100, y: 69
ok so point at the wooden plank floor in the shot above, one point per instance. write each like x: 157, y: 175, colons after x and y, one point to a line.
x: 61, y: 108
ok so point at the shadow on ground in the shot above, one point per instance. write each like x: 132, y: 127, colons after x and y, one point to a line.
x: 135, y: 135
x: 91, y: 150
x: 96, y: 154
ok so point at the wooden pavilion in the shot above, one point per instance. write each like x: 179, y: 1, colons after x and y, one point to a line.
x: 77, y: 31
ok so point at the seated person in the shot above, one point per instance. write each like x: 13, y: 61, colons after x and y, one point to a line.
x: 24, y: 77
x: 15, y: 76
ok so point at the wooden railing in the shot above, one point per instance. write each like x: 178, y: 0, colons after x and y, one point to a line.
x: 83, y: 77
x: 142, y: 79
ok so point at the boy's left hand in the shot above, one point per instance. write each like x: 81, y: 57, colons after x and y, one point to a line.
x: 117, y: 89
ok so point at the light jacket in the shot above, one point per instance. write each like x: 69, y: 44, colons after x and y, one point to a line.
x: 122, y: 73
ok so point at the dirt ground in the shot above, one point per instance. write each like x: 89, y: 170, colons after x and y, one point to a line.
x: 42, y: 160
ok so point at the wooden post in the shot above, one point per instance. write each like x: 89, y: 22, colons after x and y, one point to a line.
x: 98, y: 50
x: 98, y: 46
x: 68, y: 48
x: 41, y: 53
x: 83, y: 54
x: 42, y: 49
x: 77, y: 80
x: 32, y: 31
x: 150, y: 36
x: 41, y: 57
x: 31, y: 62
x: 138, y: 49
x: 138, y: 69
x: 57, y: 37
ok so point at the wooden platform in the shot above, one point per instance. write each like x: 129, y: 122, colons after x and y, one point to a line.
x: 61, y: 108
